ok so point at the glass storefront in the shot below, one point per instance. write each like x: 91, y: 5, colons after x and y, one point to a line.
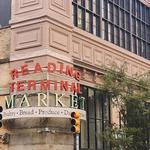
x: 97, y: 107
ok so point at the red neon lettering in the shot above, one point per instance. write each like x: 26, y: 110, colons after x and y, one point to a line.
x: 77, y: 75
x: 69, y: 71
x: 75, y: 88
x: 51, y: 67
x: 14, y: 74
x: 12, y: 86
x: 64, y: 85
x: 20, y: 85
x: 61, y: 66
x: 45, y: 86
x: 78, y: 88
x: 31, y: 84
x: 24, y: 69
x: 38, y: 68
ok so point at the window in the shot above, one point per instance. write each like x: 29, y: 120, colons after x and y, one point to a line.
x: 127, y: 39
x: 134, y: 49
x: 121, y: 22
x: 110, y: 12
x: 148, y: 51
x: 143, y: 49
x: 5, y: 12
x: 87, y: 4
x: 80, y: 18
x: 116, y: 15
x: 143, y: 12
x: 127, y: 5
x: 127, y: 21
x: 138, y: 28
x: 104, y: 30
x: 116, y: 35
x: 122, y: 3
x: 134, y: 7
x: 133, y: 25
x: 98, y: 119
x: 94, y: 6
x: 122, y: 38
x: 139, y: 47
x: 88, y: 20
x: 94, y: 25
x: 121, y: 18
x: 110, y: 32
x: 138, y: 12
x: 88, y: 15
x: 104, y: 8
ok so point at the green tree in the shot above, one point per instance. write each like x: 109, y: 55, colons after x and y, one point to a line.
x: 131, y: 95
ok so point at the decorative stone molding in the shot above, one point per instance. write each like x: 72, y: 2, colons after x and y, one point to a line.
x: 146, y: 2
x: 59, y: 38
x: 60, y: 6
x: 25, y: 10
x: 27, y: 37
x: 97, y: 53
x: 23, y: 6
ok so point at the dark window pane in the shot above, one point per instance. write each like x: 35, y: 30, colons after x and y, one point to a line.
x: 80, y: 18
x: 138, y: 12
x: 122, y: 3
x: 143, y: 31
x: 133, y: 25
x: 87, y: 21
x: 122, y: 38
x: 98, y: 105
x: 104, y: 30
x: 91, y: 103
x: 143, y: 12
x: 95, y: 25
x: 134, y: 7
x: 122, y: 18
x: 116, y: 15
x: 148, y: 33
x: 116, y: 35
x: 139, y: 47
x: 134, y: 49
x: 5, y: 12
x: 127, y: 5
x: 99, y: 134
x: 92, y: 134
x: 104, y: 8
x: 116, y: 1
x: 110, y: 12
x: 127, y: 41
x: 74, y: 14
x: 84, y: 135
x: 143, y: 49
x: 138, y: 28
x: 110, y: 32
x: 148, y: 51
x: 127, y: 21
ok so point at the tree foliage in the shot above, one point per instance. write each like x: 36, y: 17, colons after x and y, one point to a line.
x: 131, y: 95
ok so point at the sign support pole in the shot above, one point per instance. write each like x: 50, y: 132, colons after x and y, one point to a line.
x: 76, y: 142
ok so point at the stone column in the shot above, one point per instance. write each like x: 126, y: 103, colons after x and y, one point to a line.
x: 41, y: 32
